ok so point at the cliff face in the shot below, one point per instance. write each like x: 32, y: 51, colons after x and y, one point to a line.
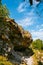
x: 13, y: 36
x: 11, y: 32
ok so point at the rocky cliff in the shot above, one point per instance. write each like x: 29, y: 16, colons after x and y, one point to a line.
x: 14, y: 40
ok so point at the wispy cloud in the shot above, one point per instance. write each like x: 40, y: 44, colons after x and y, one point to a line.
x: 25, y: 22
x: 37, y: 34
x: 32, y: 18
x: 20, y: 7
x: 39, y: 26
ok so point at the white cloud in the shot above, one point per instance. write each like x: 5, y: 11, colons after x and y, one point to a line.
x: 23, y: 5
x: 35, y: 2
x: 37, y: 34
x: 42, y: 25
x: 39, y: 26
x: 20, y: 7
x: 25, y: 22
x: 31, y: 13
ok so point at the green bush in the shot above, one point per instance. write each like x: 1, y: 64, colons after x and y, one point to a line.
x: 37, y: 44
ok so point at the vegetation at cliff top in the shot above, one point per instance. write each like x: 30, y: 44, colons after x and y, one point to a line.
x: 3, y: 10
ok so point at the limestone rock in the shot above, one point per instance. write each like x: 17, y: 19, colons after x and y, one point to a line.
x: 11, y: 32
x: 14, y: 40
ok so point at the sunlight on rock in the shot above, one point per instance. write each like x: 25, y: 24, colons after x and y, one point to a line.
x: 29, y: 61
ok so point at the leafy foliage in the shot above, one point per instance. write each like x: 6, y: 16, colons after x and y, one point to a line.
x: 37, y: 47
x: 3, y: 10
x: 37, y: 44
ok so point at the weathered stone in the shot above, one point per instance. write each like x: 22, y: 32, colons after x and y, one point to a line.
x: 11, y: 32
x: 14, y: 40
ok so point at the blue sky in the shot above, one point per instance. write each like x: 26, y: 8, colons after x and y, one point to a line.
x: 29, y: 17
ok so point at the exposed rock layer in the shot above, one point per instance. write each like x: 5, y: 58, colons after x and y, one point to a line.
x: 14, y: 40
x: 11, y: 32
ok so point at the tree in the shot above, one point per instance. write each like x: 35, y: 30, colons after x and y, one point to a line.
x: 37, y: 44
x: 3, y: 10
